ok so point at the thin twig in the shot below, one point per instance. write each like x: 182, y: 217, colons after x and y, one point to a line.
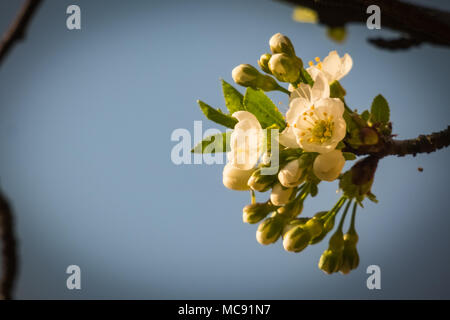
x: 17, y: 30
x: 15, y: 33
x: 9, y: 256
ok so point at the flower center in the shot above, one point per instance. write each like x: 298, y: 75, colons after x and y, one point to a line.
x: 322, y: 131
x: 318, y: 65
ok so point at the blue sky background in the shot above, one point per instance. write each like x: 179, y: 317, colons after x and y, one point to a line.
x: 85, y: 124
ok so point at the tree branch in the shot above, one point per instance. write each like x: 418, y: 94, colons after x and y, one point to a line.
x: 17, y: 30
x: 9, y: 256
x: 392, y: 147
x: 14, y: 34
x: 417, y: 24
x: 422, y: 144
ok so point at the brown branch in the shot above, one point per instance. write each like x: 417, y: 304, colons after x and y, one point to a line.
x: 17, y: 30
x: 422, y: 144
x: 417, y: 24
x: 9, y: 256
x: 392, y: 147
x: 14, y: 34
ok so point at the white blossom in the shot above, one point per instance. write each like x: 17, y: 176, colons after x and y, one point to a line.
x: 332, y: 67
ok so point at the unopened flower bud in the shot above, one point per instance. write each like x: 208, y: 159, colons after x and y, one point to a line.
x: 363, y: 171
x: 267, y: 83
x: 291, y: 209
x: 235, y: 178
x: 285, y: 68
x: 336, y: 242
x: 291, y: 224
x: 259, y: 182
x: 263, y: 62
x: 296, y: 239
x: 280, y: 195
x: 330, y: 261
x: 368, y: 136
x: 314, y: 227
x: 245, y: 75
x: 269, y: 230
x: 328, y: 166
x: 281, y: 44
x: 290, y: 174
x: 350, y: 257
x: 255, y: 212
x: 327, y: 227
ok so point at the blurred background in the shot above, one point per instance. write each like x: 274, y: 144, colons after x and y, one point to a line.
x: 85, y: 124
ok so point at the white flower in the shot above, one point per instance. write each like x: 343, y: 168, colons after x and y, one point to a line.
x: 280, y: 195
x: 315, y: 121
x: 235, y: 178
x: 333, y: 66
x: 246, y: 141
x: 289, y: 176
x: 328, y: 166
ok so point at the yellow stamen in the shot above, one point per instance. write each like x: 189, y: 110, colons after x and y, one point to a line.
x: 311, y: 63
x: 317, y: 59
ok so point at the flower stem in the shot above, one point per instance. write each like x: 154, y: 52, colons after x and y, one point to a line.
x: 341, y: 223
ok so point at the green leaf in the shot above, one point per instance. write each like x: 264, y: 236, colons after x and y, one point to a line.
x: 349, y: 155
x: 379, y: 110
x: 365, y: 115
x: 340, y: 145
x: 233, y: 98
x: 350, y: 123
x: 256, y: 102
x: 215, y: 143
x: 217, y: 115
x: 372, y: 197
x: 336, y: 90
x: 305, y: 77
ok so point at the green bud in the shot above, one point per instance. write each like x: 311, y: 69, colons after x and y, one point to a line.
x: 314, y: 227
x: 368, y: 136
x: 327, y: 227
x: 350, y: 254
x: 255, y: 212
x: 336, y: 90
x: 351, y: 238
x: 336, y: 242
x: 267, y: 83
x: 245, y: 75
x: 281, y: 44
x: 261, y: 183
x: 263, y: 62
x: 330, y: 261
x: 269, y: 230
x: 296, y: 239
x: 284, y: 67
x: 291, y: 209
x: 291, y: 224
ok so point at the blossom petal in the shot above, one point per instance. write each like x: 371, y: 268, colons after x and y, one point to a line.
x: 321, y: 88
x: 332, y: 64
x: 288, y: 139
x: 346, y: 65
x: 247, y: 116
x: 333, y: 106
x: 296, y: 108
x: 303, y: 91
